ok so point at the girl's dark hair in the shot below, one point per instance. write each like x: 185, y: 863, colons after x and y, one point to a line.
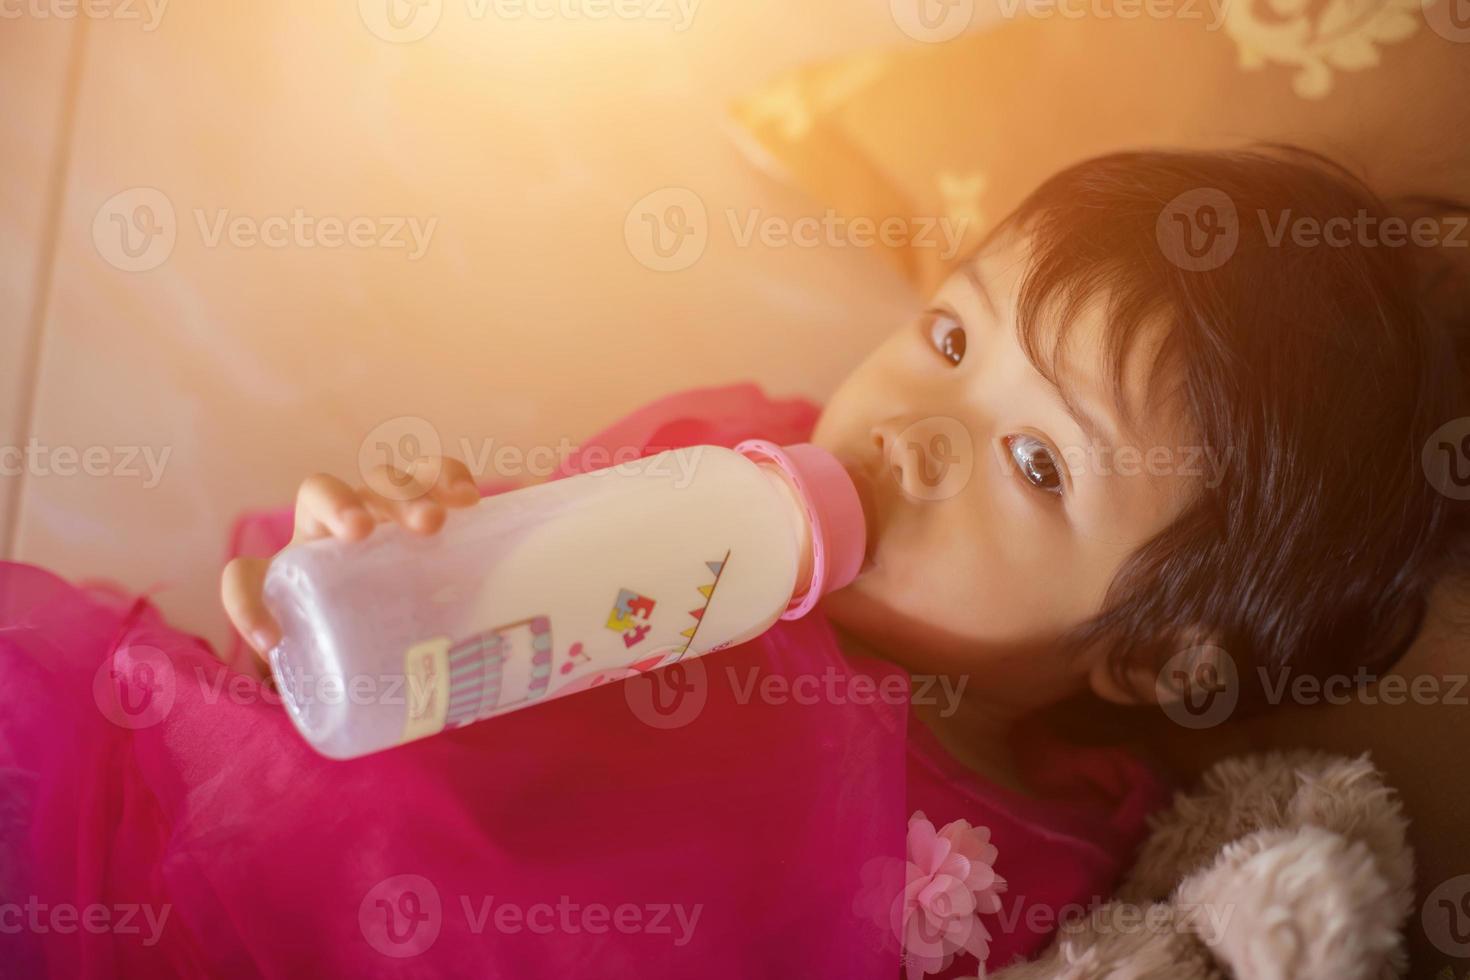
x: 1317, y: 370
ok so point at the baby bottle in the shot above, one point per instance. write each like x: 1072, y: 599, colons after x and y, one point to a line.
x: 555, y: 588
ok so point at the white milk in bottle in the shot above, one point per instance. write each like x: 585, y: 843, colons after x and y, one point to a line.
x: 556, y: 588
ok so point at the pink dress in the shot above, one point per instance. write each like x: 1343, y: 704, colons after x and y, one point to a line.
x: 159, y: 815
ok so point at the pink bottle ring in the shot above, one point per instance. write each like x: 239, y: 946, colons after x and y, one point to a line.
x: 833, y: 512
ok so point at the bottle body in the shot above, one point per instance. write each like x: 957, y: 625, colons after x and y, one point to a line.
x: 531, y: 595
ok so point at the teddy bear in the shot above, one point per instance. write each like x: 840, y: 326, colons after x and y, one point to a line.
x: 1282, y: 865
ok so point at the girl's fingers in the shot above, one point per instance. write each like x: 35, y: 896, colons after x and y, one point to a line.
x: 418, y: 498
x: 326, y: 506
x: 403, y: 498
x: 454, y: 486
x: 240, y: 591
x: 329, y: 507
x: 442, y: 478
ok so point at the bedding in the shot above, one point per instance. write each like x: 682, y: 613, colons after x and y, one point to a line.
x: 960, y: 131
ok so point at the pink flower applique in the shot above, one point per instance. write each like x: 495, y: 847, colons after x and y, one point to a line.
x: 950, y: 883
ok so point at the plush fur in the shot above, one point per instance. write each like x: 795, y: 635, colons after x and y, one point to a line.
x: 1285, y: 865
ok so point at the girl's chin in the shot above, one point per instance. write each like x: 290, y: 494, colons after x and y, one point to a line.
x: 912, y: 643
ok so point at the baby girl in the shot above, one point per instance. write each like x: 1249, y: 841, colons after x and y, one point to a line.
x: 1116, y: 455
x: 1099, y: 452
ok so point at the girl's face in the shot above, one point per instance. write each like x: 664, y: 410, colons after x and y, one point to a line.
x: 1000, y: 506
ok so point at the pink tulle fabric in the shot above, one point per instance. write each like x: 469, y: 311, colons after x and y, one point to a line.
x: 159, y: 816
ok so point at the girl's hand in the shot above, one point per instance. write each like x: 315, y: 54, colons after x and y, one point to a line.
x: 327, y: 507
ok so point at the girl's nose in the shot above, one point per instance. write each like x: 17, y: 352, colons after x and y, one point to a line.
x: 929, y: 458
x: 891, y: 454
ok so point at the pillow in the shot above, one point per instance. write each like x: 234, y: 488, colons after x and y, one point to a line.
x: 961, y: 131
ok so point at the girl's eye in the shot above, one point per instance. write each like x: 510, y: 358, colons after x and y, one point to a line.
x: 946, y: 335
x: 1036, y: 462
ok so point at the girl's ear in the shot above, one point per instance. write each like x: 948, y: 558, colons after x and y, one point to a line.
x: 1133, y: 688
x: 1195, y: 668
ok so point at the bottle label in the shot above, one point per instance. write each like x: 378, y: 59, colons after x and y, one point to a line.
x: 451, y: 685
x: 454, y: 683
x: 632, y: 574
x: 426, y: 676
